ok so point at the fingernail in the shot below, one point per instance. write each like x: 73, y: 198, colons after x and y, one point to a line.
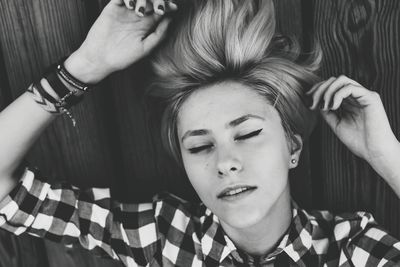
x: 161, y: 7
x: 141, y: 10
x: 173, y: 3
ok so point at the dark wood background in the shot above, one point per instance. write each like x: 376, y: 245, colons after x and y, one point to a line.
x: 116, y: 142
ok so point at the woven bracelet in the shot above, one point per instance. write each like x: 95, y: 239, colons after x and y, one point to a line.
x: 57, y: 77
x: 50, y: 105
x: 42, y: 100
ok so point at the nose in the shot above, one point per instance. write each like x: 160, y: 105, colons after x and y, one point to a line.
x: 228, y: 164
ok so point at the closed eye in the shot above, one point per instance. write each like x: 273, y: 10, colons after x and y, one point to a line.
x: 249, y: 135
x: 199, y: 148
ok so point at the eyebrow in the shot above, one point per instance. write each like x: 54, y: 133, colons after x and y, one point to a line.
x: 244, y: 118
x: 231, y: 124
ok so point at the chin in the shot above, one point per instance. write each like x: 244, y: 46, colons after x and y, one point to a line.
x: 243, y: 219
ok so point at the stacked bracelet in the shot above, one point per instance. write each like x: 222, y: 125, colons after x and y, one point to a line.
x: 42, y: 98
x: 57, y: 77
x: 71, y: 79
x: 68, y: 97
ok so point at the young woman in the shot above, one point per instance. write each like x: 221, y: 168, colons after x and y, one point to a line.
x: 235, y: 120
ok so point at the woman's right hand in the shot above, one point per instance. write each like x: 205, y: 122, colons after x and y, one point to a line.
x: 120, y: 37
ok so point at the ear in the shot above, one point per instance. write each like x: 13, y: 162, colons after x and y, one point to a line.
x: 295, y: 151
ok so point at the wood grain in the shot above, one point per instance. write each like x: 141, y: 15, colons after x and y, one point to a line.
x: 137, y: 129
x: 76, y: 257
x: 290, y: 20
x: 5, y: 94
x: 116, y: 142
x: 21, y: 251
x: 359, y: 40
x: 34, y: 34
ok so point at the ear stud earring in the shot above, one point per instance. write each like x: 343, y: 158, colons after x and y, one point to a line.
x: 293, y: 161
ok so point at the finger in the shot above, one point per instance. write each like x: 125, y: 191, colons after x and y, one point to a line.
x: 331, y: 119
x: 340, y: 82
x: 152, y: 19
x: 314, y: 87
x: 154, y: 38
x: 319, y: 91
x: 117, y: 2
x: 171, y: 5
x: 130, y: 4
x: 355, y: 91
x: 159, y: 7
x: 140, y: 7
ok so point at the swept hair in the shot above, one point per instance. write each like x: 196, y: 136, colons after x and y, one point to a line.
x: 212, y: 41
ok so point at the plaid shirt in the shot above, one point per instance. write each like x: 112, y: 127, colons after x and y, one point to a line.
x: 172, y: 232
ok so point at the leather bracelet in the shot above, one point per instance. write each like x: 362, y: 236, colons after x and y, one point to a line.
x: 57, y: 77
x: 67, y: 97
x: 38, y: 93
x: 71, y: 80
x: 38, y: 86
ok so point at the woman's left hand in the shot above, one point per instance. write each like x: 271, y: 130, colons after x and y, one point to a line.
x: 357, y: 117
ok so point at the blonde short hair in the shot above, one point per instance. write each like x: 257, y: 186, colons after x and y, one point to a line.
x: 214, y: 41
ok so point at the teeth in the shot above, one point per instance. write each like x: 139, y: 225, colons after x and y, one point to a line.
x: 236, y: 191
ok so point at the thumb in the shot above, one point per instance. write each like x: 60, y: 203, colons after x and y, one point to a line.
x: 331, y: 119
x: 160, y: 32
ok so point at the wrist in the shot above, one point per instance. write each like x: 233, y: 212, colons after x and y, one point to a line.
x: 388, y: 165
x: 83, y: 69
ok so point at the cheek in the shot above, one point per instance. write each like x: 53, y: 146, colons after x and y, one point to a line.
x: 197, y: 165
x: 199, y: 173
x: 268, y: 153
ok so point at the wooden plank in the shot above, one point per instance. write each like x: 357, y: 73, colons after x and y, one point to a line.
x: 5, y: 93
x: 17, y: 251
x: 300, y: 179
x: 360, y: 40
x: 117, y: 135
x: 21, y: 251
x: 137, y: 128
x: 76, y: 257
x: 33, y: 34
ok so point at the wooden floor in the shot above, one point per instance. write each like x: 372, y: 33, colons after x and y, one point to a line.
x: 115, y: 142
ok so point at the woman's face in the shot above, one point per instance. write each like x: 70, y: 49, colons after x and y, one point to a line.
x: 235, y: 153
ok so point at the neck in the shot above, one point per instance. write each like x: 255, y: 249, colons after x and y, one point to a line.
x: 262, y: 238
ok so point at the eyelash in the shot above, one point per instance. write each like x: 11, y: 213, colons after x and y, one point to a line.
x: 198, y: 149
x: 249, y: 135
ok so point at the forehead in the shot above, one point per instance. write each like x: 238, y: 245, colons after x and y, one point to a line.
x: 221, y: 103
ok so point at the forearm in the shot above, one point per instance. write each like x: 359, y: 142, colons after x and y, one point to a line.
x: 388, y: 167
x: 21, y: 123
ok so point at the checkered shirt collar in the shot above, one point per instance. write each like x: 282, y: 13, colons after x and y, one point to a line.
x: 216, y: 245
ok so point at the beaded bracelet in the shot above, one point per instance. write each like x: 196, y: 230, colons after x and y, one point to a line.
x: 49, y: 105
x: 68, y: 98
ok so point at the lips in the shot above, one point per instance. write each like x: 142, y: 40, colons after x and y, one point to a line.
x: 235, y: 190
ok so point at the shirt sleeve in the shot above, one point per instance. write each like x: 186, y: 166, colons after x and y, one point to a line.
x: 371, y: 245
x: 64, y: 213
